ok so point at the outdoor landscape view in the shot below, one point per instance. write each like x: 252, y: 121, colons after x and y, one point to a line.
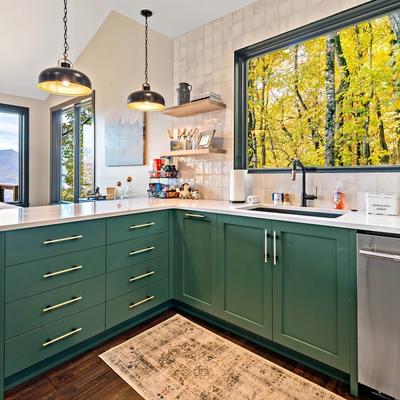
x: 9, y: 150
x: 332, y: 101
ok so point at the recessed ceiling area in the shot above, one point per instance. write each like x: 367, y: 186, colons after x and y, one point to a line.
x: 32, y: 31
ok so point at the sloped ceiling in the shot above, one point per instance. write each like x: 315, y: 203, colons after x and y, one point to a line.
x: 32, y: 32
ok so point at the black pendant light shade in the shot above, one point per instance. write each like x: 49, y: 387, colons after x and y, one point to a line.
x: 63, y: 79
x: 146, y: 99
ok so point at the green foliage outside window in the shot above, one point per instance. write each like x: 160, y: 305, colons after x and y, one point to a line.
x: 68, y: 156
x: 332, y: 101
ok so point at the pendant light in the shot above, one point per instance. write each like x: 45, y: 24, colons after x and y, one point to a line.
x: 146, y: 99
x: 63, y: 79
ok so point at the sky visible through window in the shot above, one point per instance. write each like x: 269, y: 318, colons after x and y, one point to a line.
x: 9, y: 150
x: 9, y: 129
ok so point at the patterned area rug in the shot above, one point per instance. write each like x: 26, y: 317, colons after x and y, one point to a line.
x: 178, y: 359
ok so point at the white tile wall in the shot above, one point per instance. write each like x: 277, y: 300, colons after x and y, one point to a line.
x: 204, y: 58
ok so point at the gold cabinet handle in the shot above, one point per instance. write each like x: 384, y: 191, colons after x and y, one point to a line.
x: 135, y: 252
x: 194, y: 215
x: 48, y: 342
x: 63, y: 304
x: 142, y: 225
x: 63, y: 271
x: 265, y: 246
x: 137, y: 278
x: 66, y: 239
x: 133, y: 305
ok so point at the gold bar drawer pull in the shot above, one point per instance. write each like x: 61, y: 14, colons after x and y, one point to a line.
x: 66, y: 239
x: 63, y: 304
x: 48, y: 342
x: 63, y: 271
x: 133, y: 253
x: 194, y: 215
x: 139, y: 303
x: 142, y: 225
x: 137, y: 278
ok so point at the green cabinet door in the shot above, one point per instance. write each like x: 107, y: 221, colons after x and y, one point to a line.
x: 312, y: 291
x: 245, y: 273
x: 195, y: 259
x: 2, y: 246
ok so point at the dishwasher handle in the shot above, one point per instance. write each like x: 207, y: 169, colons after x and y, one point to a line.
x: 377, y: 254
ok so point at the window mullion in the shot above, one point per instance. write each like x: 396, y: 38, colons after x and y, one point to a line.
x: 77, y: 152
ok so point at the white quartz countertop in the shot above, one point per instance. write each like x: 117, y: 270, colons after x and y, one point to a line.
x: 5, y: 206
x: 17, y: 218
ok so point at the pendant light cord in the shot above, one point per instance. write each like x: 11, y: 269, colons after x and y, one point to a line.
x: 65, y: 20
x: 146, y: 43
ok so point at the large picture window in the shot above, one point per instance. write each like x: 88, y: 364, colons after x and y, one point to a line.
x: 14, y: 151
x: 327, y: 94
x: 73, y: 150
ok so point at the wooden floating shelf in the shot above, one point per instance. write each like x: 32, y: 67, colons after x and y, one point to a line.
x: 194, y: 108
x: 191, y: 153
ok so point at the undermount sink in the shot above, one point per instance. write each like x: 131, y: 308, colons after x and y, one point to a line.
x: 308, y: 213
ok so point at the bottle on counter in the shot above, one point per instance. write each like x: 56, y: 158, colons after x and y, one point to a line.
x: 339, y: 197
x: 129, y: 188
x: 119, y: 193
x: 286, y: 199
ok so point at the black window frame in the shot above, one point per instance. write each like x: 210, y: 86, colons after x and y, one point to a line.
x: 352, y: 16
x: 55, y: 146
x: 23, y: 179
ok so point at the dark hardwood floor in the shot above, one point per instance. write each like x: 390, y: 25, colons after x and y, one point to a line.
x: 86, y: 377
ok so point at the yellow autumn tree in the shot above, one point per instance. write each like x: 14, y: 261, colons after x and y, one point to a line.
x: 330, y: 101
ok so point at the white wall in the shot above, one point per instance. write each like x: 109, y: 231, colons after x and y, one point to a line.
x: 204, y: 58
x: 39, y: 146
x: 114, y: 61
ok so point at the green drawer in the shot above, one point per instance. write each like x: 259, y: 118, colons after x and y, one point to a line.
x: 136, y: 226
x: 124, y: 254
x: 30, y: 348
x: 136, y: 276
x: 132, y: 304
x: 35, y: 277
x: 48, y: 241
x: 33, y: 312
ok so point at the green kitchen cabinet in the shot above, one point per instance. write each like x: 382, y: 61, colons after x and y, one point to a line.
x: 311, y: 281
x: 25, y: 315
x: 26, y: 350
x: 136, y: 251
x: 195, y: 259
x: 24, y: 245
x: 244, y: 282
x: 134, y: 226
x: 130, y: 305
x: 2, y: 255
x: 38, y: 276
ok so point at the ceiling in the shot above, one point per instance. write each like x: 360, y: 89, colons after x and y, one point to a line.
x: 33, y: 30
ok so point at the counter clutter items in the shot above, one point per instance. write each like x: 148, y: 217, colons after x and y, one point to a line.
x: 183, y: 138
x: 383, y: 203
x: 119, y: 192
x: 164, y: 182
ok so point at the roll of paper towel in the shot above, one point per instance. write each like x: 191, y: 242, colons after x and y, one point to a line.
x: 237, y: 188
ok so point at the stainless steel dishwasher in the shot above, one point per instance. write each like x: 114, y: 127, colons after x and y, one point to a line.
x: 379, y: 313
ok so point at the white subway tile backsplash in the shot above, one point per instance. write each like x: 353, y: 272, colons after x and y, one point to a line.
x: 387, y: 182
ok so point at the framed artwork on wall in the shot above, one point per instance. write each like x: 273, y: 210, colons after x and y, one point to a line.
x: 125, y: 139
